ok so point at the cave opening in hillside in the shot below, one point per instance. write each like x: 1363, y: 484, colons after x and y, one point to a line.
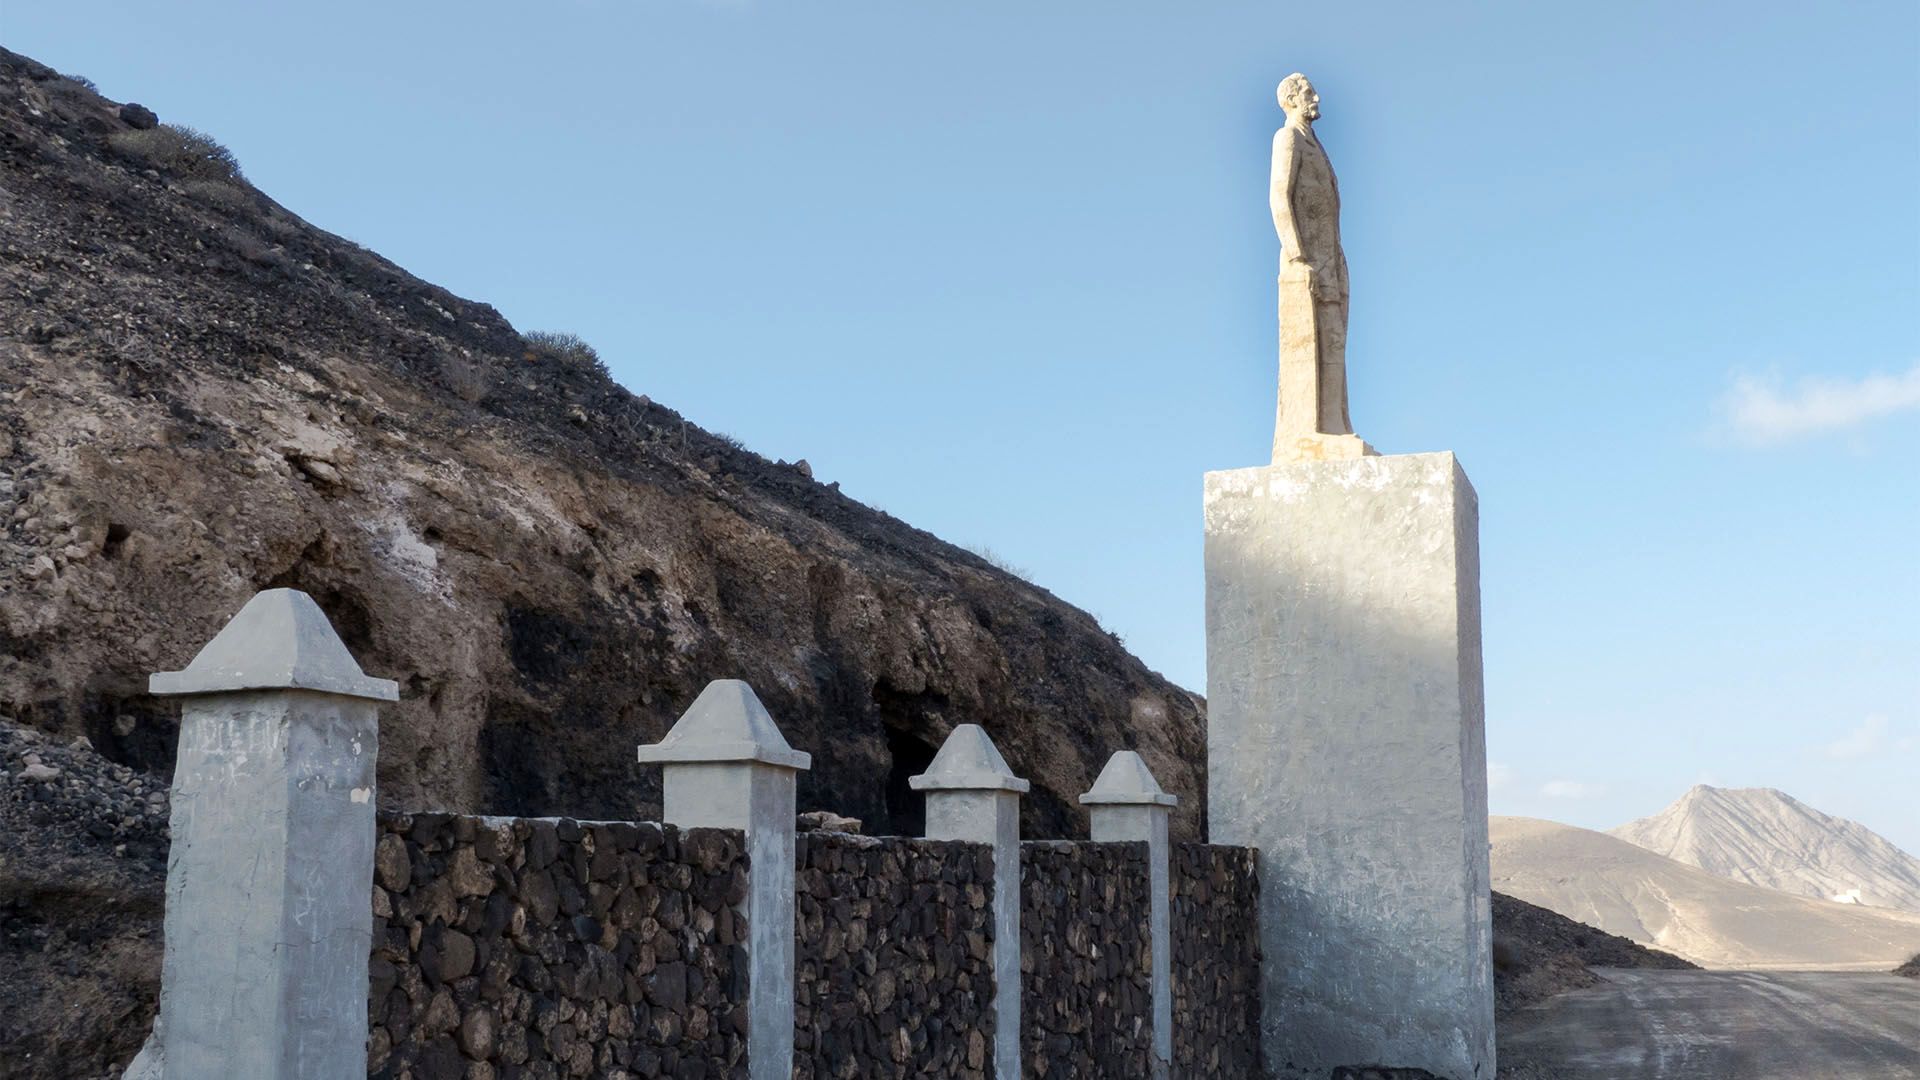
x: 910, y: 756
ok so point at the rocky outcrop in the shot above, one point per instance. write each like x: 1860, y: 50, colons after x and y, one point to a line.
x: 202, y: 396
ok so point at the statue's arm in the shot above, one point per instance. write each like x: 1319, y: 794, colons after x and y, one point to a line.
x: 1286, y: 172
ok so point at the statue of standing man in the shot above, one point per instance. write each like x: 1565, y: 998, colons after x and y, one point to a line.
x: 1312, y: 424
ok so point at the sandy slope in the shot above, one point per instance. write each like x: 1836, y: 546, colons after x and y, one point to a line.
x: 1766, y: 837
x: 1623, y: 889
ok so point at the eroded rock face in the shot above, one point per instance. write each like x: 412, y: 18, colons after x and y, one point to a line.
x: 204, y: 396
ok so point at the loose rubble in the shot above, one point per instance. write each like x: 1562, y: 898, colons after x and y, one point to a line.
x: 83, y: 861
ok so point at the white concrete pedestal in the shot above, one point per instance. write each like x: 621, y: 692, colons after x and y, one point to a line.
x: 1345, y: 740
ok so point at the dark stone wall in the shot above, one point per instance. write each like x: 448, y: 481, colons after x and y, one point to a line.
x: 893, y: 968
x: 529, y: 949
x: 1086, y: 1002
x: 1216, y: 961
x: 538, y: 949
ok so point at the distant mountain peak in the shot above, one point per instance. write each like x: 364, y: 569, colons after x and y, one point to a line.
x: 1737, y: 794
x: 1621, y: 888
x: 1764, y: 836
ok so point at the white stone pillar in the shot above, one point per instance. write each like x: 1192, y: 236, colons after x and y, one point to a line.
x: 1126, y: 804
x: 728, y: 767
x: 973, y: 796
x: 268, y: 925
x: 1345, y: 741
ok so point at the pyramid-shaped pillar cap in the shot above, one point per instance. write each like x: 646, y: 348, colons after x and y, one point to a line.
x: 968, y: 761
x: 1126, y: 781
x: 726, y: 723
x: 280, y: 640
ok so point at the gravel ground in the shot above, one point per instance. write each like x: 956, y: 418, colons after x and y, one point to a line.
x: 1717, y: 1025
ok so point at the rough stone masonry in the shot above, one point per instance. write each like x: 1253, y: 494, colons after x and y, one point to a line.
x: 893, y: 974
x: 1085, y: 960
x: 1216, y: 962
x: 537, y: 949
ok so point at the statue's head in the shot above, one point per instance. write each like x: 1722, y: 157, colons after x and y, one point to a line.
x: 1298, y: 98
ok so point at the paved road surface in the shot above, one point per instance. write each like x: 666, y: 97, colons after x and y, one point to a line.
x: 1725, y: 1025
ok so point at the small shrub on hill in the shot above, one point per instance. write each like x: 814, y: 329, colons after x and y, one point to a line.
x: 1000, y: 562
x: 564, y: 348
x: 182, y: 151
x: 83, y: 81
x: 1911, y: 969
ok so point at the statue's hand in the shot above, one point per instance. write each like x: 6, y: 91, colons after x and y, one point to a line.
x: 1325, y: 286
x: 1320, y: 285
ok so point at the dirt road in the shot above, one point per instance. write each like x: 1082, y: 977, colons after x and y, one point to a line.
x: 1724, y: 1025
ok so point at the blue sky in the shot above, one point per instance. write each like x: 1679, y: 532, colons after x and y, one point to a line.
x: 1652, y: 270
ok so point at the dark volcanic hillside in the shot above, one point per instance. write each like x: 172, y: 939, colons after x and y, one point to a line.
x: 201, y: 396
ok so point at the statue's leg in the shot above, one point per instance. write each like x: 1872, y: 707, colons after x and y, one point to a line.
x: 1331, y: 321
